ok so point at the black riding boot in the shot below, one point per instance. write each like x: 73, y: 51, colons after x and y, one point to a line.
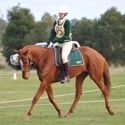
x: 66, y: 71
x: 62, y: 73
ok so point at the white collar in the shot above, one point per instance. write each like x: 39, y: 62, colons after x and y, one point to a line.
x: 61, y: 21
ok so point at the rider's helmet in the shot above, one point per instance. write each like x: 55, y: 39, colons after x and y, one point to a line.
x: 14, y: 59
x: 63, y: 9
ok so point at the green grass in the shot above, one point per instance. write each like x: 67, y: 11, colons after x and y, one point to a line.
x: 13, y: 113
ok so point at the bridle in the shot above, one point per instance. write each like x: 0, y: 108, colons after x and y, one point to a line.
x: 26, y: 63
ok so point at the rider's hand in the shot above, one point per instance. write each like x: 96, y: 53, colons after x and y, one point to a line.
x: 55, y: 44
x: 49, y: 44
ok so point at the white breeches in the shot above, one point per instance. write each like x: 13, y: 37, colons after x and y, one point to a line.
x: 66, y: 49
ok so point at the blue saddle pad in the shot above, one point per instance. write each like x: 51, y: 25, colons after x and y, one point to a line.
x: 75, y: 58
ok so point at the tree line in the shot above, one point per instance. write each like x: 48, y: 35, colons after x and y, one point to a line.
x: 105, y: 34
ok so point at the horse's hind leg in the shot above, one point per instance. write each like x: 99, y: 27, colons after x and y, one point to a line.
x: 49, y: 91
x: 78, y: 84
x: 105, y: 91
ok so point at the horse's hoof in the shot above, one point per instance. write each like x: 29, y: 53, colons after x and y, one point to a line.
x: 61, y: 115
x: 111, y: 113
x: 67, y: 116
x: 28, y: 117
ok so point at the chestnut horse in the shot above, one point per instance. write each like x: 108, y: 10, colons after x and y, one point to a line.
x: 94, y: 65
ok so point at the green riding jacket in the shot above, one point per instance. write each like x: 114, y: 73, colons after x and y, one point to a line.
x: 66, y: 36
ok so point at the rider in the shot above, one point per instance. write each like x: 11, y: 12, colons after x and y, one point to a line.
x: 61, y: 33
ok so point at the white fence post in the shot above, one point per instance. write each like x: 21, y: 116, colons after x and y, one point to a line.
x: 14, y: 76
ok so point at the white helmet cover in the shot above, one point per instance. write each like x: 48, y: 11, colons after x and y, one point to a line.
x: 14, y: 59
x: 63, y: 9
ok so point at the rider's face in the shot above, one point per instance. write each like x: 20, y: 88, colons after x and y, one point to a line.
x: 61, y: 15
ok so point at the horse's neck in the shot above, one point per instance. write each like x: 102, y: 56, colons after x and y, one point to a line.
x: 39, y: 54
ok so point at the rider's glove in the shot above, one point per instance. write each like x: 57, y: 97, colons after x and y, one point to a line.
x: 55, y: 44
x: 49, y: 44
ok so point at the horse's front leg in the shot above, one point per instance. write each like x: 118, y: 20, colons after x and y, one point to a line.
x: 78, y: 84
x: 49, y: 91
x: 39, y: 92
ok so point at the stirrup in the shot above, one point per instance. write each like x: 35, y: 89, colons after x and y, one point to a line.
x: 66, y: 79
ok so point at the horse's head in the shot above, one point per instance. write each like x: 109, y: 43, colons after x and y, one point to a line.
x: 25, y: 62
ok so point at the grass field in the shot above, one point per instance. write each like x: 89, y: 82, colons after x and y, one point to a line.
x: 16, y: 96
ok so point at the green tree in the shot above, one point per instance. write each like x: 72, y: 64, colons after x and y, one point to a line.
x: 41, y: 31
x: 20, y: 23
x: 2, y: 28
x: 81, y: 30
x: 109, y: 33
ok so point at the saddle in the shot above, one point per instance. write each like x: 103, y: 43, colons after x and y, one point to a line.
x: 75, y: 57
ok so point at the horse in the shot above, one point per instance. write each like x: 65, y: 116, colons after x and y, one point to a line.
x: 95, y: 65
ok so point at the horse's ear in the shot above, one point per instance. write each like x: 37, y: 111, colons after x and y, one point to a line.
x: 25, y: 51
x: 22, y: 51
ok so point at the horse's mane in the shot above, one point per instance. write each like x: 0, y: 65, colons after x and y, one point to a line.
x: 34, y: 47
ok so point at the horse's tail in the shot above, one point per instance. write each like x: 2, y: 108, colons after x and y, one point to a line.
x: 106, y: 76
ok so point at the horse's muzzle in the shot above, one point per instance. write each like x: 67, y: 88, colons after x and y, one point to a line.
x: 25, y: 75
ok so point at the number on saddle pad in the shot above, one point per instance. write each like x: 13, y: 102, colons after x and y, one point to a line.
x: 75, y: 58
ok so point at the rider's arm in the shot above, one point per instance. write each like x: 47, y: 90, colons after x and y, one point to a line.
x: 52, y: 33
x: 67, y: 35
